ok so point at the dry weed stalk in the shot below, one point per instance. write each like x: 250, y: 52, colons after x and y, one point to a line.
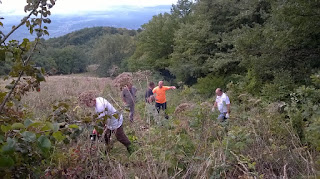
x: 122, y: 80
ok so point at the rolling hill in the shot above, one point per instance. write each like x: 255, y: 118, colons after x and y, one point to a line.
x: 122, y: 17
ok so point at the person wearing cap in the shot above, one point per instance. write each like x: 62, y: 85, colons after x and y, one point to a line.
x: 114, y: 119
x: 222, y: 102
x: 160, y: 96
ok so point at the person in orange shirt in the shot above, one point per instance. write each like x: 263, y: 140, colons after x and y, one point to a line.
x: 160, y: 94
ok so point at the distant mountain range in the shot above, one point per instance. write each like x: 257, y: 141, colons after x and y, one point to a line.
x: 122, y: 17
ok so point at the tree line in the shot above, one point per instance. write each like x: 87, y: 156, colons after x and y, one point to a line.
x: 268, y: 46
x: 72, y: 53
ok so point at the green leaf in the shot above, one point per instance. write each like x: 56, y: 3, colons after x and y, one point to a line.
x: 17, y: 126
x: 29, y: 136
x: 9, y: 86
x: 100, y: 130
x: 1, y: 139
x: 116, y: 116
x: 9, y: 147
x: 5, y: 128
x: 58, y: 136
x: 27, y: 23
x: 1, y: 24
x: 2, y: 95
x: 45, y: 128
x: 25, y: 42
x: 46, y: 32
x: 35, y: 124
x: 27, y: 122
x: 44, y: 143
x: 50, y: 125
x: 2, y: 55
x: 66, y: 141
x: 6, y: 162
x: 55, y: 127
x: 73, y: 126
x: 40, y: 77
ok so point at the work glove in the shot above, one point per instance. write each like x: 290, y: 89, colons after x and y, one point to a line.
x: 213, y: 109
x: 227, y: 115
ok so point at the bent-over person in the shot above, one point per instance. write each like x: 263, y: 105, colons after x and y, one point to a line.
x: 113, y: 124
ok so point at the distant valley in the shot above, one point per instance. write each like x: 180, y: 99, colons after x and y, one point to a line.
x: 124, y: 17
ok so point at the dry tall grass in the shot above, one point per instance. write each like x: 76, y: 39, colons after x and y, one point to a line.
x: 58, y: 88
x: 191, y: 144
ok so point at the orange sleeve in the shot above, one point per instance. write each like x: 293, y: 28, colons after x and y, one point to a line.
x: 167, y: 87
x: 154, y: 90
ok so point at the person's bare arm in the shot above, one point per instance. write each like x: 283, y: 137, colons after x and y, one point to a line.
x: 214, y: 106
x: 172, y: 87
x: 228, y: 108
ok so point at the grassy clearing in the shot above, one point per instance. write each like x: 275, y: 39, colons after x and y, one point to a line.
x: 59, y: 88
x: 255, y: 143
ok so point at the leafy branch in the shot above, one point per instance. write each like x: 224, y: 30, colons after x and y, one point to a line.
x: 19, y: 77
x: 23, y: 21
x: 33, y: 7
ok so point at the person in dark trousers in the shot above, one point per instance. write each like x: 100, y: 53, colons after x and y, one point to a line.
x: 160, y: 95
x: 114, y: 120
x: 149, y: 94
x: 129, y: 98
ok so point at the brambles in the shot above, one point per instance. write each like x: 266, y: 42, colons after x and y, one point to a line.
x: 122, y: 80
x: 183, y: 107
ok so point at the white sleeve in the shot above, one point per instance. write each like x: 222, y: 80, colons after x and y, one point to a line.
x: 104, y: 107
x: 108, y: 107
x: 227, y: 100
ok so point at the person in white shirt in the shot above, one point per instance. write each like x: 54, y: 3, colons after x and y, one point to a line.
x: 222, y: 102
x: 114, y: 120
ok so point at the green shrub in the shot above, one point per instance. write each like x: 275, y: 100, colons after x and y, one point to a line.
x: 207, y: 85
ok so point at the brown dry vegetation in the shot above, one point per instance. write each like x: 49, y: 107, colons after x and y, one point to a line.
x: 191, y: 144
x: 58, y: 88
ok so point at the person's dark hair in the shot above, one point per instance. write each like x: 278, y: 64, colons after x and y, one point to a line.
x: 151, y: 84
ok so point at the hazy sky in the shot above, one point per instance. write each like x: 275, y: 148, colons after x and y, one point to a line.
x: 15, y: 7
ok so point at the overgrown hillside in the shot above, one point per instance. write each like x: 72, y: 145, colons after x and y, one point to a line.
x: 263, y: 53
x: 258, y: 141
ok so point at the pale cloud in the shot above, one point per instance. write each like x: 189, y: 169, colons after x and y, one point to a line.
x: 15, y: 7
